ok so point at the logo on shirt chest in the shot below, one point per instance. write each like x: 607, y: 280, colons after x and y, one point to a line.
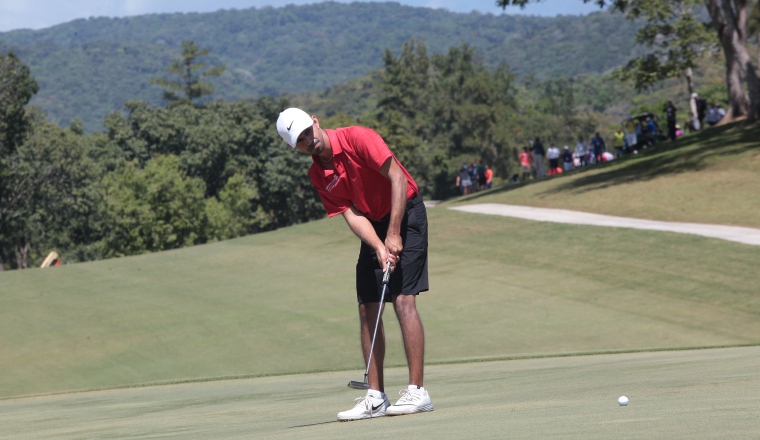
x: 332, y: 184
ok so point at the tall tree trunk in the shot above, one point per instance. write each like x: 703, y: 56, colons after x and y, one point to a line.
x: 1, y: 263
x: 753, y: 82
x: 738, y: 22
x: 738, y: 101
x: 727, y: 16
x: 689, y: 83
x: 22, y: 251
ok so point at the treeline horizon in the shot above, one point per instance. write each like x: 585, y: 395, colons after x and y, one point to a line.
x: 88, y: 68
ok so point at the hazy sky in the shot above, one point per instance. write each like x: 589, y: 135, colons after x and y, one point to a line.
x: 37, y: 14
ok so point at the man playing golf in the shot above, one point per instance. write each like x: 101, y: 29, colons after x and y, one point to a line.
x: 356, y: 175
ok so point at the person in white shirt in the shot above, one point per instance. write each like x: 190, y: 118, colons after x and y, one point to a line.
x: 714, y: 114
x: 553, y: 155
x: 581, y: 152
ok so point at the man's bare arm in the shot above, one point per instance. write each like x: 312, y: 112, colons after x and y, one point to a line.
x: 363, y: 229
x: 391, y: 171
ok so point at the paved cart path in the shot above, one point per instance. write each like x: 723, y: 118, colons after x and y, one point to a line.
x: 731, y: 233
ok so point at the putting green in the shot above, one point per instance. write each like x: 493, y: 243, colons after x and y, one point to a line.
x: 675, y: 394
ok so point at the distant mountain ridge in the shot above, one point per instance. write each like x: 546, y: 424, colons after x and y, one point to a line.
x: 88, y: 68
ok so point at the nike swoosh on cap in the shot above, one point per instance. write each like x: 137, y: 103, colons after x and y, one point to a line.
x: 291, y: 124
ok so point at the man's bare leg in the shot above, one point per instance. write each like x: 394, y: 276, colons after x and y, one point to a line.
x: 414, y: 336
x: 367, y: 319
x: 415, y: 398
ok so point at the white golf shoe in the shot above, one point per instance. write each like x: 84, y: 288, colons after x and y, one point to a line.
x: 413, y: 400
x: 371, y: 405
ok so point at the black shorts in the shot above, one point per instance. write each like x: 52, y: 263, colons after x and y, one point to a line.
x: 410, y: 276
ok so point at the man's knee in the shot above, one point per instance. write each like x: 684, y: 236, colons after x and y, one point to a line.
x: 405, y: 306
x: 368, y: 312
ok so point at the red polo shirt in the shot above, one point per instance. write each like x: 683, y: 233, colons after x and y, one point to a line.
x: 358, y: 154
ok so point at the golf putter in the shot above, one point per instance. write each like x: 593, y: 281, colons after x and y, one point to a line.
x: 365, y: 385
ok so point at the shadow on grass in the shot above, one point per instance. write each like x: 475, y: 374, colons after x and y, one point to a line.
x: 689, y: 154
x: 314, y: 424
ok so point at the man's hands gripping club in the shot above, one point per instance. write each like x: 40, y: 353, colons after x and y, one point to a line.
x: 390, y: 250
x: 387, y: 252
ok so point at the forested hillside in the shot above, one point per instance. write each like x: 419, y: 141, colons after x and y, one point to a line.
x: 89, y: 68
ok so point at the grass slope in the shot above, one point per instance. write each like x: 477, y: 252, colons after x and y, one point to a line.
x: 708, y: 177
x: 686, y: 394
x: 283, y: 302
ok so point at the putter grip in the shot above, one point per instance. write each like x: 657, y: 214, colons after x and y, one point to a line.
x: 387, y: 275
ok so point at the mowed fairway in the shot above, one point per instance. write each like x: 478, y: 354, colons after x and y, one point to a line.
x: 678, y: 394
x: 283, y: 302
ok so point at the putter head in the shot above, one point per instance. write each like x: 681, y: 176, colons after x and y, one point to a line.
x: 358, y: 385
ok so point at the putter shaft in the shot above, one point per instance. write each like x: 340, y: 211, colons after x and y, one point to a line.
x: 386, y: 279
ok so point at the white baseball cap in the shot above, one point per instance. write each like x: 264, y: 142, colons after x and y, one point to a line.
x: 291, y: 123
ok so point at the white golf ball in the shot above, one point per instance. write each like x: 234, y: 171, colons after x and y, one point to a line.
x: 623, y: 401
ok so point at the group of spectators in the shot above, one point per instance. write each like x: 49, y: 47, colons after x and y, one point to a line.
x: 635, y: 133
x: 533, y: 159
x: 699, y: 111
x: 474, y: 177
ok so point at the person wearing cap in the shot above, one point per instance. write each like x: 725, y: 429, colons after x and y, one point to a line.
x: 357, y: 176
x: 568, y: 161
x: 464, y: 181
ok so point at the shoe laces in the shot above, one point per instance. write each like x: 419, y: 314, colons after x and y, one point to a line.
x: 409, y: 396
x: 364, y: 401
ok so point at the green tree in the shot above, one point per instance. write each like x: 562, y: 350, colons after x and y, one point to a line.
x: 233, y: 213
x: 218, y: 141
x: 403, y: 117
x: 677, y: 39
x: 52, y: 201
x: 434, y: 110
x: 152, y: 209
x: 189, y: 87
x: 16, y: 89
